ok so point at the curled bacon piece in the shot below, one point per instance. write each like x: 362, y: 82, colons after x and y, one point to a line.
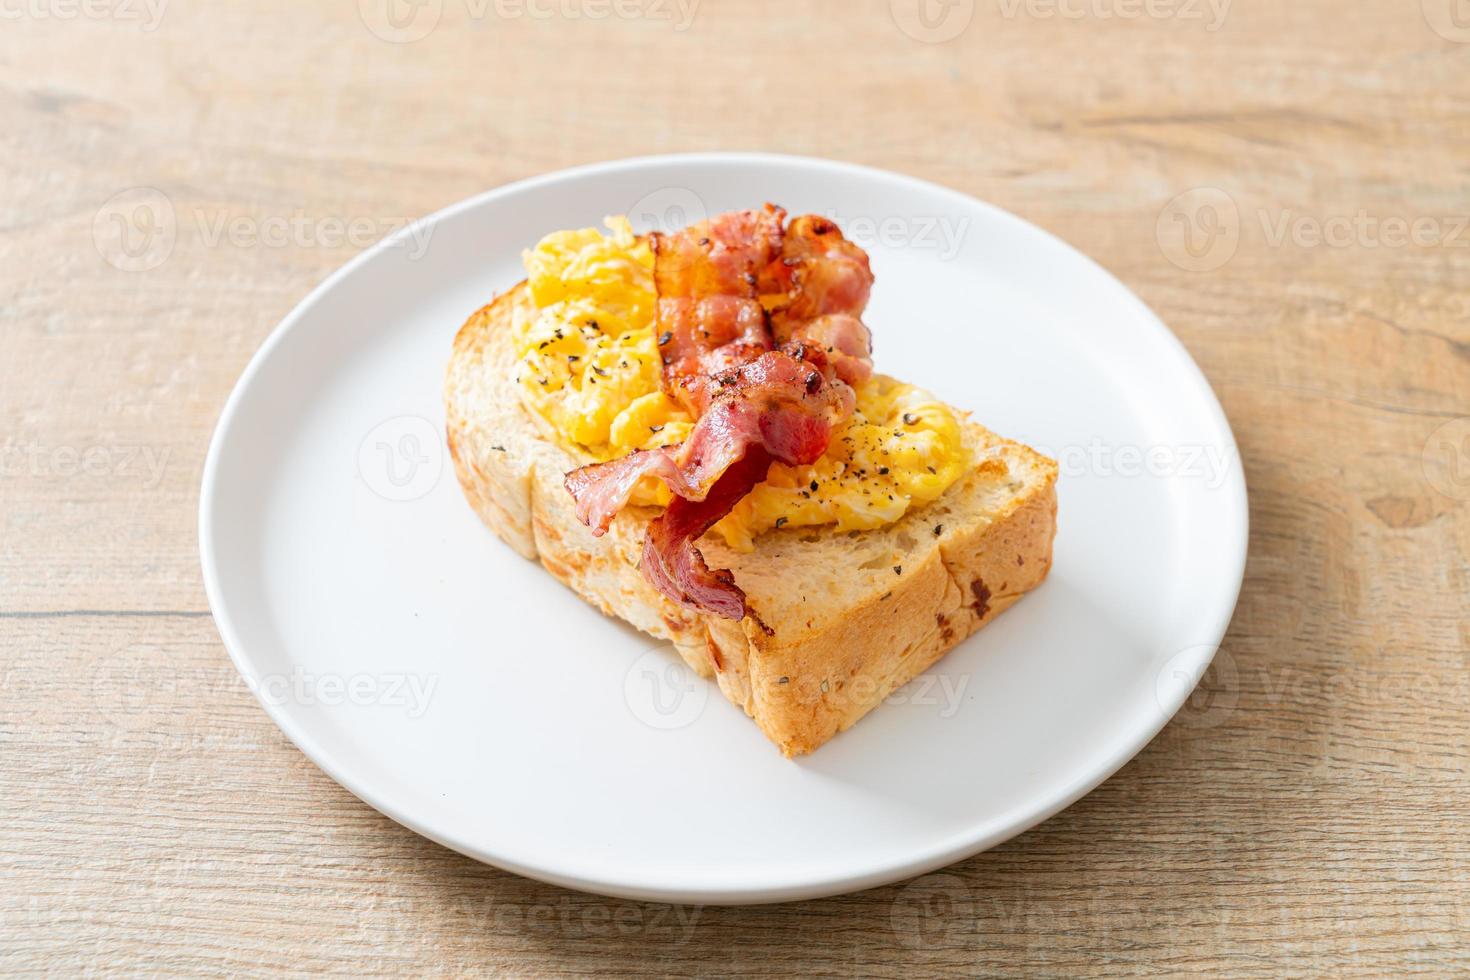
x: 820, y: 273
x: 822, y: 283
x: 675, y: 566
x: 710, y: 317
x: 702, y: 337
x: 844, y: 341
x: 778, y: 402
x: 716, y: 282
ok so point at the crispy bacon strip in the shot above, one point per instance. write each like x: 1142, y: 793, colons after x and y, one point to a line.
x: 819, y: 289
x: 820, y: 273
x: 710, y: 318
x: 676, y: 567
x: 843, y: 340
x: 715, y: 282
x: 703, y: 337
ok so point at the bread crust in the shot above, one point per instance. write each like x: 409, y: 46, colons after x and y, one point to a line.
x: 852, y: 617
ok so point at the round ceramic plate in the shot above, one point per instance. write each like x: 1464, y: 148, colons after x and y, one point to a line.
x: 462, y: 691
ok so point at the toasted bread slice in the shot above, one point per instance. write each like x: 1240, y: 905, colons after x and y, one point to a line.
x: 852, y: 615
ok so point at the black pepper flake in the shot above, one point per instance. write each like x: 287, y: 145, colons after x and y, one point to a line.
x: 599, y: 371
x: 593, y: 325
x: 655, y: 428
x: 931, y: 469
x: 704, y: 241
x: 665, y: 337
x: 910, y: 419
x: 814, y: 486
x: 543, y: 345
x: 574, y: 357
x: 784, y: 680
x: 898, y: 569
x: 498, y: 449
x: 882, y: 471
x: 780, y: 522
x: 938, y: 530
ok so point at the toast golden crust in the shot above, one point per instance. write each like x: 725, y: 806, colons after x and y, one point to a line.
x: 852, y: 617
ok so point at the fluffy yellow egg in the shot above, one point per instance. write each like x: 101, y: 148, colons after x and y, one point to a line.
x: 588, y: 351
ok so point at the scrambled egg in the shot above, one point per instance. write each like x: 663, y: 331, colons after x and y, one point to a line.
x: 590, y: 367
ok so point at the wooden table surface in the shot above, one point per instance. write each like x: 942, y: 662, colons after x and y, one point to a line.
x: 1287, y: 184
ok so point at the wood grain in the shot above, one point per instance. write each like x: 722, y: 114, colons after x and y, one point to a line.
x: 1305, y: 815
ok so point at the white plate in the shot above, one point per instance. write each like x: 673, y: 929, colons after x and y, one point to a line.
x: 463, y: 692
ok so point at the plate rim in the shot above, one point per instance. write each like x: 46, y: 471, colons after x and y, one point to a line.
x: 945, y: 852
